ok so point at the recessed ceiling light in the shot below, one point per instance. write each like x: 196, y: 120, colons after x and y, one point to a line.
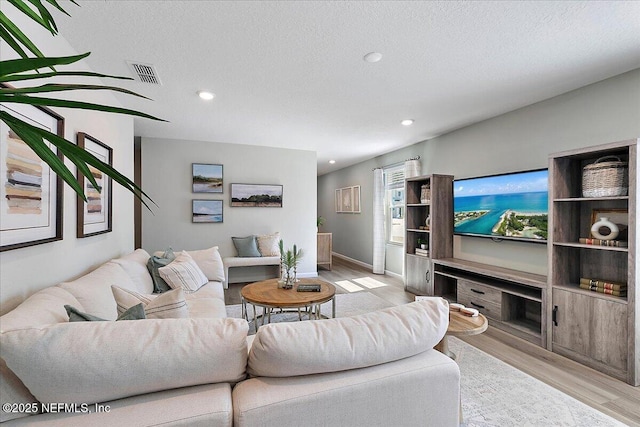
x: 407, y: 122
x: 331, y: 162
x: 207, y: 96
x: 373, y: 57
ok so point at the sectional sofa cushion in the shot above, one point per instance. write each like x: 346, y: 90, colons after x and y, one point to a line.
x: 246, y: 246
x: 210, y: 262
x: 183, y: 273
x: 93, y: 290
x: 126, y: 358
x: 168, y: 305
x: 135, y: 265
x: 13, y: 391
x: 349, y: 342
x: 42, y: 308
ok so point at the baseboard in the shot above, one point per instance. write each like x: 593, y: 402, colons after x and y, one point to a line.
x: 392, y: 274
x: 365, y: 265
x: 353, y: 261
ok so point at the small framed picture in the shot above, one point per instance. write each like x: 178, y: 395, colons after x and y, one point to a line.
x: 256, y: 195
x: 207, y: 178
x: 203, y: 211
x: 95, y: 215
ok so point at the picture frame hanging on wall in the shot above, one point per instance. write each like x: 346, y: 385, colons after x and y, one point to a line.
x: 256, y: 195
x: 206, y: 178
x: 348, y: 199
x: 95, y: 216
x: 206, y: 211
x: 31, y: 205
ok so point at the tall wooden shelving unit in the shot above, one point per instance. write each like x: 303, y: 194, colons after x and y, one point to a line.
x: 439, y: 237
x: 598, y: 330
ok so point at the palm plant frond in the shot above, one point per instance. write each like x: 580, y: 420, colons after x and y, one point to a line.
x: 28, y: 68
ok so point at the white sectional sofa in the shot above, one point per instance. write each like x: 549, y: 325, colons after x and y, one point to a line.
x: 377, y: 369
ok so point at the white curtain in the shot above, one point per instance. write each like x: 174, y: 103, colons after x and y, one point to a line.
x: 378, y: 222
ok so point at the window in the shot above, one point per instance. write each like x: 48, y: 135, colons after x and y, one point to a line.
x: 394, y: 204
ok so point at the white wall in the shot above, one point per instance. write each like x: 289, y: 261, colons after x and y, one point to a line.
x: 166, y: 177
x: 603, y: 112
x: 24, y: 271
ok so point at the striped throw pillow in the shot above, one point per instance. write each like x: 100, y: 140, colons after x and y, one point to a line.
x: 168, y: 305
x: 183, y: 273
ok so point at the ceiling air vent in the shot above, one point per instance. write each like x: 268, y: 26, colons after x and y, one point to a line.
x: 146, y: 73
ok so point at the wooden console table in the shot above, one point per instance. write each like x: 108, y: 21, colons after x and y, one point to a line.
x: 325, y: 247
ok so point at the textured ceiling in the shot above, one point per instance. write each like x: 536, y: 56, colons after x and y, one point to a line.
x: 291, y: 74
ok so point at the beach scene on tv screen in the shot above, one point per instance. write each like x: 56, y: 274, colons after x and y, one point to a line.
x: 512, y: 205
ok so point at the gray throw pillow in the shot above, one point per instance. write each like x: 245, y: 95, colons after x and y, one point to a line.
x: 133, y: 313
x: 154, y: 263
x: 246, y: 246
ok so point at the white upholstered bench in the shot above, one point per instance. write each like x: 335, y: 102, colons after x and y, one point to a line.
x: 246, y: 262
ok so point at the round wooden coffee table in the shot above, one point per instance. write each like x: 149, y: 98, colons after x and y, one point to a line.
x: 461, y: 325
x: 267, y: 295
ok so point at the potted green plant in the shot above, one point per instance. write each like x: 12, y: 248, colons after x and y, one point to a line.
x: 289, y: 260
x: 319, y: 222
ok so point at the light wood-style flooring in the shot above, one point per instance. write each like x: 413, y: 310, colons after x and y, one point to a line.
x: 608, y: 395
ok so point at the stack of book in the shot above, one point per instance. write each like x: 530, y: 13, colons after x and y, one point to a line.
x: 599, y: 242
x: 604, y: 287
x: 422, y: 252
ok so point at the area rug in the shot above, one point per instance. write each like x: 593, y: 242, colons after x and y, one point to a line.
x: 497, y: 394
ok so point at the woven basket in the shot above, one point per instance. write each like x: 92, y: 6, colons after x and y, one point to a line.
x: 606, y: 177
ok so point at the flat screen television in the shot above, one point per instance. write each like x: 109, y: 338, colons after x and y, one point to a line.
x: 511, y: 206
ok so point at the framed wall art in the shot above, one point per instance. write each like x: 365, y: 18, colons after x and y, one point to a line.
x: 95, y: 215
x: 31, y: 194
x: 256, y: 195
x: 203, y: 211
x: 206, y: 178
x: 348, y: 199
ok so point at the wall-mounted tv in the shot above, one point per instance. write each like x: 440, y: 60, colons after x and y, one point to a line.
x: 511, y: 206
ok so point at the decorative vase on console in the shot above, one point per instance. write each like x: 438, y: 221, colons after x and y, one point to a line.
x: 289, y: 260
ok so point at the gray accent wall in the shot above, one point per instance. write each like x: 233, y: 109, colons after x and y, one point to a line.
x: 166, y: 177
x: 519, y: 140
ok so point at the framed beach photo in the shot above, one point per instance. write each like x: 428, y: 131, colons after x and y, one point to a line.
x: 30, y: 193
x: 95, y: 216
x: 256, y: 195
x: 206, y: 211
x: 206, y: 178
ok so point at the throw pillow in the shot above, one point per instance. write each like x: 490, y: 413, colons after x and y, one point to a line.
x: 268, y: 244
x: 168, y: 305
x: 154, y: 263
x: 183, y: 273
x: 133, y: 313
x: 89, y: 362
x: 210, y: 262
x: 246, y: 246
x: 346, y: 343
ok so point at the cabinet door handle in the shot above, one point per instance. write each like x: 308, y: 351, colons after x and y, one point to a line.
x: 476, y: 305
x: 427, y: 276
x: 554, y: 315
x: 477, y: 291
